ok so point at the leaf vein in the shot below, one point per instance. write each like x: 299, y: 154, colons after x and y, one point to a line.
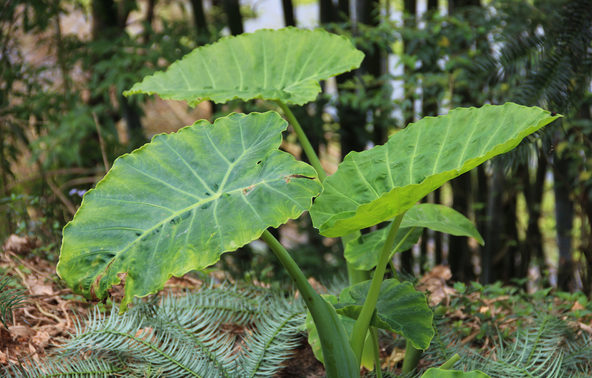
x: 442, y: 145
x: 159, y: 180
x: 188, y: 166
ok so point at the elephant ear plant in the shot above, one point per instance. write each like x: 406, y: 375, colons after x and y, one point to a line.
x: 181, y: 201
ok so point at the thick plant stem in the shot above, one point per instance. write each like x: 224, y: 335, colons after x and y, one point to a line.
x: 361, y: 326
x: 394, y: 270
x: 395, y: 274
x: 450, y: 363
x: 412, y: 357
x: 340, y: 361
x: 403, y: 240
x: 376, y: 347
x: 355, y: 276
x: 304, y: 142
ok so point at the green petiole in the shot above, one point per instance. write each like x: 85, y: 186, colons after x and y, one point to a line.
x: 361, y: 326
x: 304, y: 142
x: 450, y: 363
x: 340, y: 361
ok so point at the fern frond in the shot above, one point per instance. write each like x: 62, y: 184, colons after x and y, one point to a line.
x: 231, y: 303
x: 10, y: 300
x: 157, y: 342
x: 90, y: 368
x: 276, y: 337
x: 537, y: 352
x: 189, y: 336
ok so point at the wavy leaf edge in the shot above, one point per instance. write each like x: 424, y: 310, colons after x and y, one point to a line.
x: 328, y: 227
x: 119, y: 278
x: 193, y: 103
x: 348, y: 303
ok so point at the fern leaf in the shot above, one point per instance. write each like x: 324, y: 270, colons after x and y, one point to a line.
x: 276, y: 337
x: 10, y: 300
x: 90, y: 368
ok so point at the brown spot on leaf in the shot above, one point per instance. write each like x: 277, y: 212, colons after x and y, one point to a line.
x: 116, y: 292
x: 290, y: 177
x: 248, y: 189
x: 92, y: 290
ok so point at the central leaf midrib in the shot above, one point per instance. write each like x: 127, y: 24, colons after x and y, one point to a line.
x: 184, y: 210
x: 395, y: 190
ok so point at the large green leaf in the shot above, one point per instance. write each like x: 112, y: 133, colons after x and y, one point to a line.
x: 372, y: 186
x: 399, y: 309
x: 439, y: 373
x: 348, y: 325
x: 440, y: 218
x: 363, y: 252
x: 284, y: 64
x: 179, y: 202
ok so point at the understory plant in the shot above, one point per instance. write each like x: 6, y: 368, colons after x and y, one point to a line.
x: 507, y: 333
x: 231, y: 331
x: 181, y: 201
x: 10, y: 300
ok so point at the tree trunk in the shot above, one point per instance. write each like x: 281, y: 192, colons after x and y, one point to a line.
x: 368, y: 12
x: 587, y: 244
x: 288, y: 13
x: 438, y: 237
x: 410, y: 12
x: 480, y: 195
x: 199, y: 20
x: 533, y: 193
x: 429, y: 108
x: 512, y: 243
x: 233, y: 16
x: 586, y: 205
x: 326, y: 11
x: 493, y: 244
x: 343, y: 11
x: 459, y: 254
x: 409, y: 21
x: 109, y: 23
x: 105, y: 19
x: 454, y: 5
x: 564, y: 213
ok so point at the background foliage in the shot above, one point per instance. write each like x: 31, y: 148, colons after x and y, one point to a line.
x: 63, y: 119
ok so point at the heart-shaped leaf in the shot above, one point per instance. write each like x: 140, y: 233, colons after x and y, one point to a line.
x: 363, y: 252
x: 179, y: 202
x: 439, y: 373
x: 399, y: 309
x: 372, y: 186
x: 348, y: 325
x: 440, y: 218
x: 284, y: 64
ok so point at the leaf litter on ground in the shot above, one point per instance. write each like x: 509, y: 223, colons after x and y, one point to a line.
x: 469, y: 317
